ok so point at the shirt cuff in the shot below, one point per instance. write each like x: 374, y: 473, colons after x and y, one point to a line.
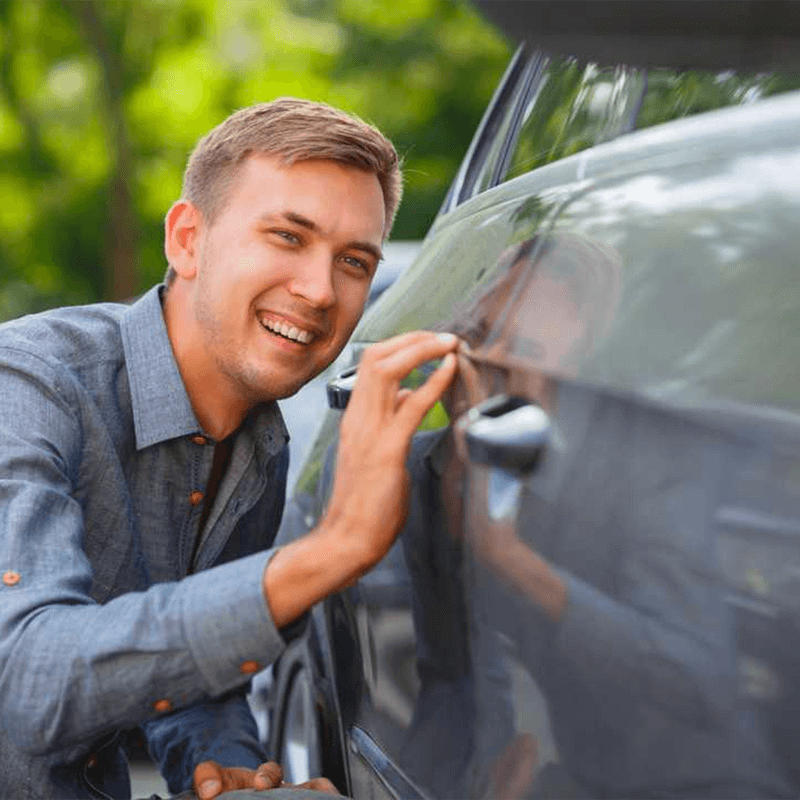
x: 229, y: 629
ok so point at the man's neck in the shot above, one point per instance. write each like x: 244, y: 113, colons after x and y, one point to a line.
x: 219, y: 407
x: 218, y: 422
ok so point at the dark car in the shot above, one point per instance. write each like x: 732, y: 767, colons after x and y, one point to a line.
x: 597, y: 590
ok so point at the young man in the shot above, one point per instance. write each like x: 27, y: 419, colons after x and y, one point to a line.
x: 143, y: 462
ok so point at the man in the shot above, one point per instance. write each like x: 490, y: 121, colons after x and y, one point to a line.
x: 143, y: 462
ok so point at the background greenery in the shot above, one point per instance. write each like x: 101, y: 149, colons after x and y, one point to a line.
x: 101, y: 101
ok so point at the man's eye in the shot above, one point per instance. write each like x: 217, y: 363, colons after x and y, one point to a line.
x: 288, y: 236
x: 357, y: 263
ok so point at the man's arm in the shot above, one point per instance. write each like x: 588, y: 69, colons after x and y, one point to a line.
x: 71, y: 670
x: 221, y: 730
x: 367, y: 507
x: 376, y: 433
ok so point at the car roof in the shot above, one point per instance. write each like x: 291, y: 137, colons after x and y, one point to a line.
x: 688, y: 34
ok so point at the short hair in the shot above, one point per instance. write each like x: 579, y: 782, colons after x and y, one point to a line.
x: 294, y: 130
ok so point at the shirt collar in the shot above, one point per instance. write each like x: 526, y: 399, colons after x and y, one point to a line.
x: 161, y: 407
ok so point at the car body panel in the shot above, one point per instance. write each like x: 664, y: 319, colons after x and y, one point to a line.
x: 643, y: 292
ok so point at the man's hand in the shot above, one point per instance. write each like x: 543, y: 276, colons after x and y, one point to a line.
x: 368, y: 503
x: 370, y: 489
x: 210, y: 780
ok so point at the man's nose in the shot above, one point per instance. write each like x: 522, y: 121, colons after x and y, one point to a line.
x: 314, y: 281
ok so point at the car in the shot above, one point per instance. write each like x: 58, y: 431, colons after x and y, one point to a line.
x: 597, y: 589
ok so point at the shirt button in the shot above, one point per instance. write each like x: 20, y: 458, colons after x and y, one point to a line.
x: 196, y: 497
x: 11, y: 578
x: 199, y: 439
x: 162, y: 706
x: 249, y: 667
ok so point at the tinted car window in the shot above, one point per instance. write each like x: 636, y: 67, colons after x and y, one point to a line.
x: 572, y: 107
x: 672, y: 95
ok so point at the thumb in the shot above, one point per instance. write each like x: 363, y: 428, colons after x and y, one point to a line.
x: 268, y: 776
x: 207, y: 780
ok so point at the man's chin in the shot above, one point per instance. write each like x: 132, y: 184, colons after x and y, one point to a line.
x: 276, y: 389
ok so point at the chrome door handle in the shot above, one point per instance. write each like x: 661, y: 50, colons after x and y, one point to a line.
x: 340, y: 387
x: 509, y: 435
x: 507, y: 432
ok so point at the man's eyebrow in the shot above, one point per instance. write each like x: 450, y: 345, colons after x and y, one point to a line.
x: 299, y: 219
x: 367, y: 247
x: 310, y: 225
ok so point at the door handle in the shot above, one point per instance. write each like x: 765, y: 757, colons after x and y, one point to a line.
x: 340, y: 388
x: 507, y: 432
x: 509, y: 435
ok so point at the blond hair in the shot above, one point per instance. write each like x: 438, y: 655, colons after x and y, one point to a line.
x: 293, y: 130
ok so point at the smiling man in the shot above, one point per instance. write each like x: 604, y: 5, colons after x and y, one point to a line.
x: 143, y: 463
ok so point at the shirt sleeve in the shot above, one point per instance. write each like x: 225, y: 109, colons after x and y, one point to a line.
x: 222, y: 730
x: 73, y: 670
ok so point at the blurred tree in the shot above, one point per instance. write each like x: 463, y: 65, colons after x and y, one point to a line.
x: 101, y: 101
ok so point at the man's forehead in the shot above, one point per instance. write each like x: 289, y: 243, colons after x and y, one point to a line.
x: 300, y: 178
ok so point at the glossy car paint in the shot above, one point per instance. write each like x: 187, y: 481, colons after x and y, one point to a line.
x: 432, y: 664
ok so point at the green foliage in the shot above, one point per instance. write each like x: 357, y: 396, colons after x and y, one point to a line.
x: 100, y: 103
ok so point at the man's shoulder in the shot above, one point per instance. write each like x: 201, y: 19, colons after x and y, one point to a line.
x: 71, y: 337
x: 76, y: 352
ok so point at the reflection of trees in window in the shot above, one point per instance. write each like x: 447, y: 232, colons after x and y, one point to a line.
x: 574, y: 107
x: 671, y: 95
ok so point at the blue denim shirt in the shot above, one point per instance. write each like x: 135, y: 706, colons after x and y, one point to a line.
x: 112, y: 613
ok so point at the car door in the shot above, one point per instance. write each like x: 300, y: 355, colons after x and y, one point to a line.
x: 626, y: 275
x: 666, y: 496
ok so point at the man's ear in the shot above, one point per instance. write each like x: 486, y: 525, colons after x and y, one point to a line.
x: 182, y: 228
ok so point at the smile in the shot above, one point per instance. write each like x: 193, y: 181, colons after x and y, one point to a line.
x: 287, y: 331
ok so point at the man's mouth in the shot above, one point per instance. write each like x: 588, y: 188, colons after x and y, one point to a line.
x: 287, y: 331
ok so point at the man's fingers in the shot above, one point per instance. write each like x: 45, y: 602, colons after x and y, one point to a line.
x: 207, y: 780
x: 394, y: 364
x: 210, y: 779
x: 417, y: 403
x: 379, y: 377
x: 317, y: 785
x: 400, y: 342
x: 268, y: 776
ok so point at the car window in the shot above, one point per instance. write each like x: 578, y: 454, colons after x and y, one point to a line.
x: 569, y: 106
x: 672, y: 95
x: 572, y: 107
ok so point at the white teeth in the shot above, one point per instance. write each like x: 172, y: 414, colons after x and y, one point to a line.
x: 288, y: 331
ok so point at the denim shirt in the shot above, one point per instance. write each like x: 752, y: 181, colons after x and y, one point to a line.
x: 114, y: 611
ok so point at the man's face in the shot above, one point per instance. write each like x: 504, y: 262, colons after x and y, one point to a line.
x: 284, y: 271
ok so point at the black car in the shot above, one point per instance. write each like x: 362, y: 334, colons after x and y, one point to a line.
x: 597, y: 591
